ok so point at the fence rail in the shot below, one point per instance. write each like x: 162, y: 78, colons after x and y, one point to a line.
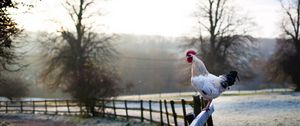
x: 162, y: 112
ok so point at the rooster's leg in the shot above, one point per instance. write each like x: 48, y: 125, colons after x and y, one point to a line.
x: 207, y: 106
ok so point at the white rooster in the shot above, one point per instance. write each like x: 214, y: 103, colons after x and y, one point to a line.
x: 207, y: 84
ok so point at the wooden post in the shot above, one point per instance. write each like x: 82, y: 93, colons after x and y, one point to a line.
x: 167, y: 114
x: 56, y: 110
x: 80, y: 108
x: 46, y: 107
x: 197, y: 104
x: 126, y: 110
x: 161, y: 116
x: 142, y: 111
x: 209, y: 121
x: 202, y: 118
x: 114, y: 107
x: 99, y: 106
x: 68, y: 106
x: 21, y: 107
x: 184, y: 112
x: 174, y: 113
x: 150, y: 107
x: 103, y: 108
x: 6, y: 106
x: 203, y: 105
x: 33, y: 107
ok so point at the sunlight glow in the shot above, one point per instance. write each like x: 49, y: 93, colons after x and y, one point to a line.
x: 149, y: 17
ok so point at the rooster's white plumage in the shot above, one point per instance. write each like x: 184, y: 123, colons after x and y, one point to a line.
x: 208, y: 85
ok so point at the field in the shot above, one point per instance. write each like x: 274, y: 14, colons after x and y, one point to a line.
x: 280, y: 107
x: 258, y: 110
x: 246, y: 108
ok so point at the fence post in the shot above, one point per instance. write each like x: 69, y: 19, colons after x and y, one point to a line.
x: 201, y: 119
x: 126, y: 109
x: 161, y: 116
x: 56, y: 111
x: 6, y: 106
x: 46, y: 107
x: 209, y: 120
x: 197, y: 104
x: 150, y: 107
x: 203, y: 105
x: 33, y: 107
x: 142, y: 111
x: 167, y: 114
x: 68, y: 106
x: 184, y: 112
x: 80, y: 108
x: 174, y: 113
x: 114, y: 107
x: 99, y: 106
x: 103, y: 108
x: 21, y: 102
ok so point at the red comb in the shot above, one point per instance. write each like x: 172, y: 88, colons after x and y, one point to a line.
x: 188, y: 54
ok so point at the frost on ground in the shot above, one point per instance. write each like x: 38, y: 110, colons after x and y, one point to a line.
x: 258, y: 110
x: 268, y: 109
x: 48, y: 120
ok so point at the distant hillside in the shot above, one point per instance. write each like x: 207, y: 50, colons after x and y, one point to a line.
x: 266, y: 46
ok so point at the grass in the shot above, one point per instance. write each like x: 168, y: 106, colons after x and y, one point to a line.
x: 188, y: 95
x: 108, y: 121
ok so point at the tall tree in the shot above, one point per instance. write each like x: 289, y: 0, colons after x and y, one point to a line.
x: 284, y: 64
x: 8, y: 31
x: 9, y: 87
x: 223, y: 41
x: 80, y: 61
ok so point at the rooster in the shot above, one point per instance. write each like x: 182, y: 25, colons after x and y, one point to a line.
x: 208, y: 85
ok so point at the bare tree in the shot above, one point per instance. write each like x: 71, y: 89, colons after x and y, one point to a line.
x: 80, y: 61
x: 223, y: 41
x: 9, y: 57
x: 284, y: 64
x: 8, y: 31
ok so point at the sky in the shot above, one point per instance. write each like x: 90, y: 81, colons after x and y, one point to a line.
x: 148, y: 17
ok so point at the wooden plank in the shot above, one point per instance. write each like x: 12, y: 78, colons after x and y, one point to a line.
x: 126, y: 109
x: 142, y: 111
x: 166, y: 110
x: 46, y: 110
x: 68, y: 106
x: 197, y: 104
x: 150, y: 110
x: 201, y: 119
x: 174, y: 113
x: 114, y: 108
x: 184, y: 112
x: 161, y: 116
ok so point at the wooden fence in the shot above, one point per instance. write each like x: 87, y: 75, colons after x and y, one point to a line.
x: 162, y: 112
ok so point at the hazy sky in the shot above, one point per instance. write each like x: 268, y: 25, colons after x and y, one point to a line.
x: 154, y: 17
